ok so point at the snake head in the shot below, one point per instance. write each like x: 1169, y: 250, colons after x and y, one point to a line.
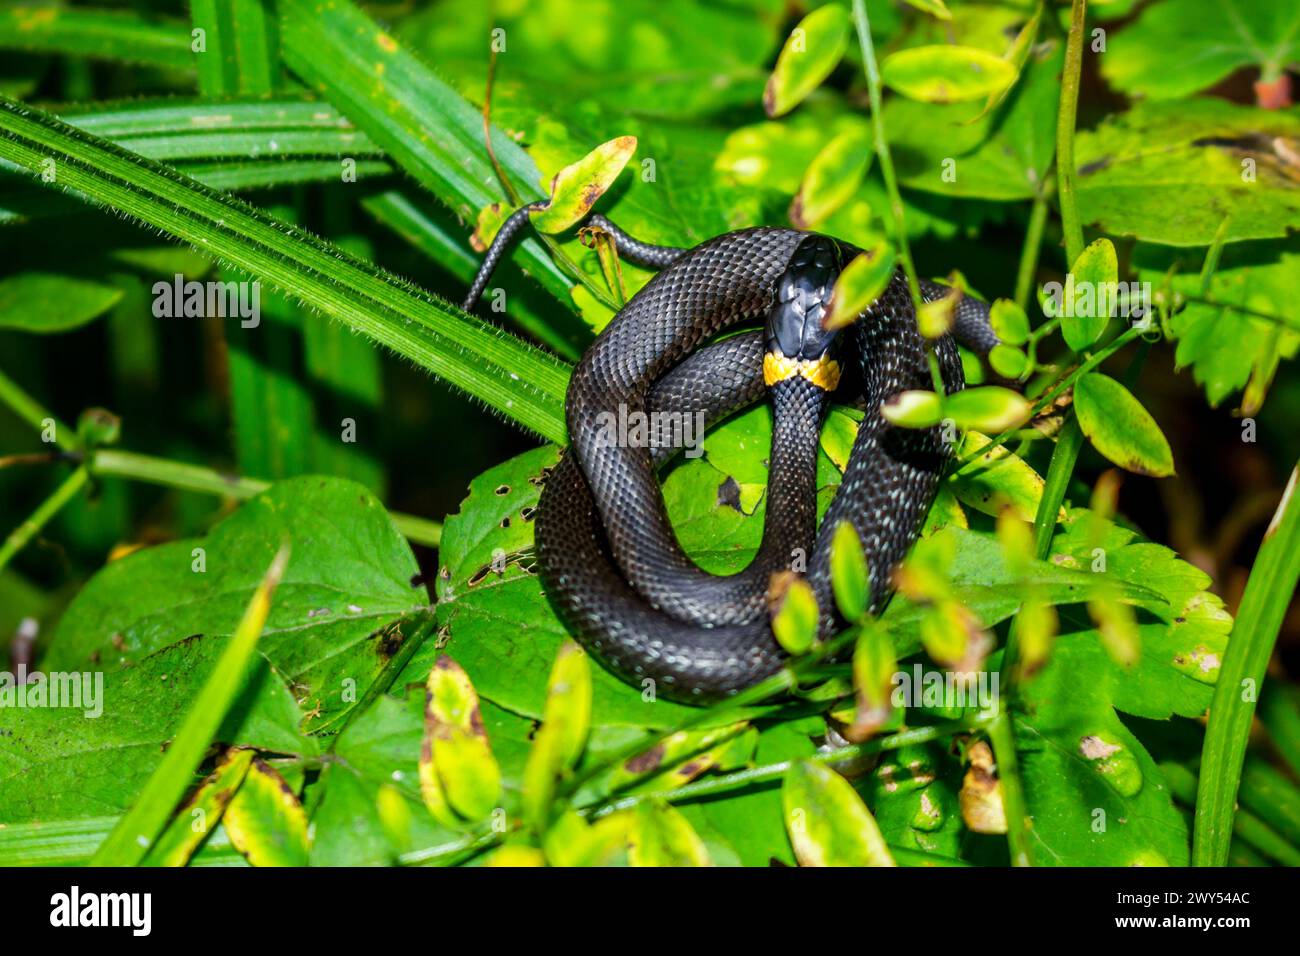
x: 796, y: 343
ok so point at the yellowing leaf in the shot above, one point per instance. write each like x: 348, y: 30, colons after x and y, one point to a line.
x: 575, y: 188
x: 201, y: 813
x: 794, y: 621
x: 915, y: 408
x: 810, y: 53
x: 831, y: 179
x: 512, y: 856
x: 997, y: 478
x: 265, y: 821
x: 946, y: 74
x: 459, y: 777
x: 874, y: 666
x: 559, y: 742
x: 661, y: 836
x: 1120, y: 428
x: 827, y: 821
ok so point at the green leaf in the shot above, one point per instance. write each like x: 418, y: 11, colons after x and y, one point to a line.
x: 874, y: 667
x: 520, y: 381
x: 576, y: 187
x: 265, y: 821
x: 103, y: 34
x: 1009, y: 322
x: 996, y: 479
x: 794, y: 620
x: 1226, y: 347
x: 811, y: 52
x: 913, y: 408
x: 936, y: 8
x: 1095, y: 795
x: 860, y: 284
x: 1174, y: 49
x: 1213, y: 156
x: 1008, y: 361
x: 49, y: 302
x: 1269, y: 592
x: 141, y: 825
x: 346, y: 603
x: 986, y: 408
x: 1120, y: 428
x: 849, y: 576
x: 831, y: 179
x: 1083, y: 315
x: 946, y: 74
x: 828, y: 823
x: 201, y: 813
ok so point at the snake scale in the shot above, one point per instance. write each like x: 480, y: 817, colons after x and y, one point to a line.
x: 609, y: 559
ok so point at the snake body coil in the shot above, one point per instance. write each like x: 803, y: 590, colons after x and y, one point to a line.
x: 609, y: 559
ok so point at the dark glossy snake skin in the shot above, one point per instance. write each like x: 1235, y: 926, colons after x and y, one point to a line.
x: 608, y: 556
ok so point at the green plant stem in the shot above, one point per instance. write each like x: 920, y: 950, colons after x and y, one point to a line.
x: 44, y: 513
x: 34, y: 414
x: 1093, y: 360
x: 208, y: 481
x: 1065, y: 123
x: 1029, y: 251
x: 774, y: 771
x: 1245, y: 826
x: 1002, y: 737
x: 1268, y: 593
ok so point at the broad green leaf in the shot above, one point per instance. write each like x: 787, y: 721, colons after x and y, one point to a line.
x: 206, y: 710
x: 995, y: 479
x: 986, y: 408
x: 1213, y: 156
x: 661, y: 836
x: 576, y: 187
x: 794, y: 617
x: 50, y: 302
x: 266, y: 822
x: 1174, y: 49
x: 832, y: 178
x: 827, y: 821
x: 913, y: 793
x: 458, y: 774
x: 811, y: 52
x: 946, y: 74
x: 57, y: 765
x: 1226, y: 348
x: 860, y: 284
x: 1002, y: 155
x: 1084, y: 310
x: 201, y: 813
x: 1095, y: 795
x: 1120, y: 428
x: 850, y: 580
x: 346, y: 603
x: 913, y: 408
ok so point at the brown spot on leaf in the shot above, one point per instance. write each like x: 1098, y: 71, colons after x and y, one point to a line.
x: 647, y: 761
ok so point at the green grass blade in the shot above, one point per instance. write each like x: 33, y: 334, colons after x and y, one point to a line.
x: 513, y: 378
x: 1269, y: 591
x: 421, y: 122
x: 240, y: 53
x: 135, y: 832
x: 102, y: 34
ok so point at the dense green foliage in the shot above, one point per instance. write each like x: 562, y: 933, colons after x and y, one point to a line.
x: 314, y: 641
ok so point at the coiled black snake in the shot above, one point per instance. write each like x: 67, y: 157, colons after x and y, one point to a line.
x: 608, y: 557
